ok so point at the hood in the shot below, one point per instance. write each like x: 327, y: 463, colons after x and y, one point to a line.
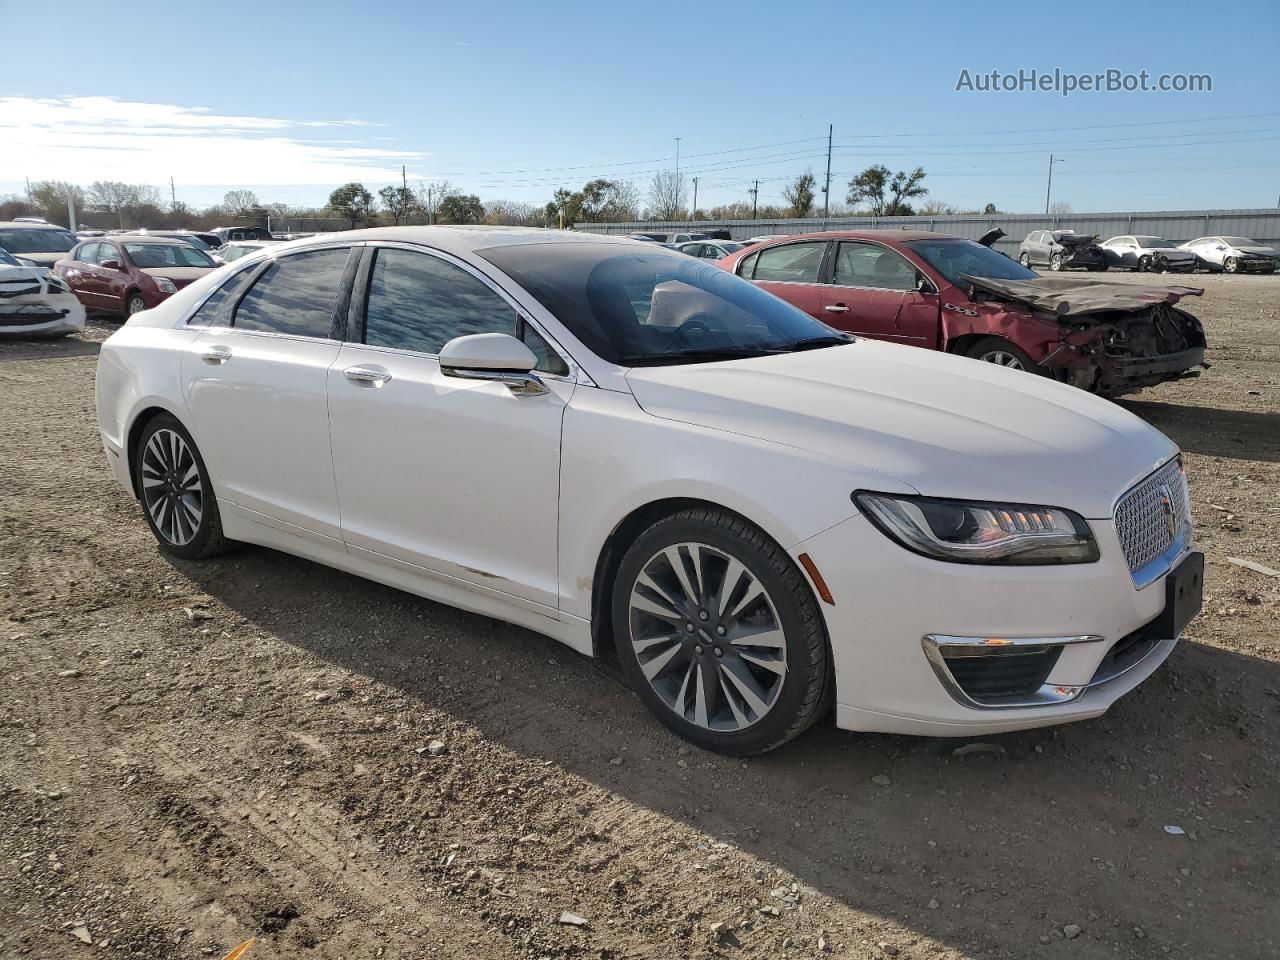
x: 1258, y: 250
x: 44, y: 259
x: 180, y: 276
x: 1072, y: 296
x: 1077, y: 239
x: 12, y: 277
x: 946, y: 426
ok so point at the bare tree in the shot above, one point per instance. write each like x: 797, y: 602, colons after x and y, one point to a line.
x: 238, y: 203
x: 936, y: 208
x: 666, y: 196
x: 512, y: 213
x: 1060, y: 207
x: 125, y: 200
x: 430, y: 193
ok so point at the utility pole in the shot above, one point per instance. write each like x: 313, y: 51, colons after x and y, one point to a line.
x: 693, y: 214
x: 431, y: 211
x: 678, y: 139
x: 173, y: 194
x: 71, y: 207
x: 28, y: 189
x: 826, y: 190
x: 755, y: 200
x: 1049, y: 185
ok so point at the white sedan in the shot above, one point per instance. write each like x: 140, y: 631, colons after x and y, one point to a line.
x: 1233, y: 254
x: 35, y: 302
x: 636, y: 452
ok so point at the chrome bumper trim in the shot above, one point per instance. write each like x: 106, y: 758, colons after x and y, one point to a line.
x: 935, y: 644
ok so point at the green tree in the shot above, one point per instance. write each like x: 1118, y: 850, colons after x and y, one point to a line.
x: 800, y: 194
x: 397, y: 201
x: 461, y: 208
x: 884, y: 192
x: 990, y: 208
x: 353, y: 202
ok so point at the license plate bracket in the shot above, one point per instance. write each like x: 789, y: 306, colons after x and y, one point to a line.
x: 1184, y: 595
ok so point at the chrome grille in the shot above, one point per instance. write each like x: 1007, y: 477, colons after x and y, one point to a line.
x: 1148, y: 526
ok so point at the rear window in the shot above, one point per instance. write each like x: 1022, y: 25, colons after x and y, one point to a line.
x: 295, y: 296
x: 155, y: 255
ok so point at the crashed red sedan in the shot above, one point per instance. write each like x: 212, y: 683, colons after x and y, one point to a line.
x: 946, y: 293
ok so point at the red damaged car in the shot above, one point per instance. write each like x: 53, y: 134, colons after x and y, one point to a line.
x: 945, y: 293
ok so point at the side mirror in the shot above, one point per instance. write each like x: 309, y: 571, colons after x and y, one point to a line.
x: 493, y: 356
x: 924, y: 284
x: 110, y: 264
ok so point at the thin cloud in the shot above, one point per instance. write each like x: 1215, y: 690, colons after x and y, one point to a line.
x: 104, y: 138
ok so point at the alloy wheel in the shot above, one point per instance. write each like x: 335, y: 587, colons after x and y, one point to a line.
x: 1002, y: 358
x: 136, y: 305
x: 171, y: 489
x: 707, y: 637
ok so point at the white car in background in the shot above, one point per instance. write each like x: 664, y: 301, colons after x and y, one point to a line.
x: 35, y: 302
x: 1233, y: 254
x: 1148, y: 255
x: 631, y: 450
x: 710, y: 249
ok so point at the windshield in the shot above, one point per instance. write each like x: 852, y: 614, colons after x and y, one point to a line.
x: 1155, y: 243
x: 193, y: 240
x: 1240, y: 242
x: 7, y: 259
x: 152, y: 255
x: 37, y: 241
x: 635, y: 307
x: 728, y: 246
x: 951, y: 258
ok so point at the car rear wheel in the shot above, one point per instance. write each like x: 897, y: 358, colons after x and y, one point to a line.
x: 719, y: 633
x: 1055, y: 262
x: 1002, y: 353
x: 173, y: 486
x: 135, y: 304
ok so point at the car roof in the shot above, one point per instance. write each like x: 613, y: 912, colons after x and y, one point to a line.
x: 138, y: 238
x: 26, y: 225
x: 867, y: 235
x: 462, y: 239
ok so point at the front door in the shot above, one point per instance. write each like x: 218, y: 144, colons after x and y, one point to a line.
x: 453, y: 476
x: 256, y: 393
x: 869, y: 286
x: 82, y: 276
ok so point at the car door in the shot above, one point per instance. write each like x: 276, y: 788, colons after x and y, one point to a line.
x: 256, y: 392
x: 81, y: 276
x: 868, y: 289
x: 440, y: 475
x: 792, y: 271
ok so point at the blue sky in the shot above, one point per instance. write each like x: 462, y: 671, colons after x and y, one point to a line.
x: 514, y: 100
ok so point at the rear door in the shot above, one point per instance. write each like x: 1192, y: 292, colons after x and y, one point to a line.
x: 256, y: 393
x: 868, y: 289
x: 792, y: 271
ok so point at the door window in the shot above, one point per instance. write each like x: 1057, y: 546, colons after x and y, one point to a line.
x: 419, y: 302
x: 216, y: 311
x: 791, y: 263
x: 88, y: 253
x: 868, y: 265
x: 295, y: 296
x: 747, y: 266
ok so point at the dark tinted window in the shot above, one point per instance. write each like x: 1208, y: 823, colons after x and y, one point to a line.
x: 216, y: 311
x: 791, y: 262
x: 420, y: 302
x: 295, y: 295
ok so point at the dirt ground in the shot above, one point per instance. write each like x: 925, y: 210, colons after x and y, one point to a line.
x: 193, y: 754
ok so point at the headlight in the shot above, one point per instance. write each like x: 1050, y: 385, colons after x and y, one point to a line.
x: 165, y: 285
x: 971, y: 532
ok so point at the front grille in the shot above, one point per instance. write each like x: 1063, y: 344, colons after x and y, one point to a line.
x: 998, y: 678
x: 1150, y: 518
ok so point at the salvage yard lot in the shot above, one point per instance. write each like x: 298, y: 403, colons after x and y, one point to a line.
x: 191, y: 754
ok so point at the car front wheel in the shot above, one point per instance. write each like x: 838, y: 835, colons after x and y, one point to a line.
x: 135, y: 304
x: 719, y: 633
x: 1002, y: 353
x: 1231, y: 265
x: 1055, y: 262
x: 173, y: 486
x: 1025, y: 260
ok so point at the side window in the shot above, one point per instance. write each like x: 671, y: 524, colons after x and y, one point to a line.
x: 747, y: 265
x: 791, y: 263
x: 216, y: 311
x: 419, y: 302
x: 295, y: 295
x: 868, y: 265
x: 88, y: 253
x: 108, y: 251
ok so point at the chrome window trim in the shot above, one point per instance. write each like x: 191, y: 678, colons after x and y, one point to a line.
x: 575, y: 375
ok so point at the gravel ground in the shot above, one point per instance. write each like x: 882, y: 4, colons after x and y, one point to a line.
x: 192, y: 754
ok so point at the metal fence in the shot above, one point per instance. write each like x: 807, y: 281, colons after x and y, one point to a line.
x: 1180, y: 225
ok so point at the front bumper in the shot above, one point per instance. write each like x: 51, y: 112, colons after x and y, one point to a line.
x: 887, y: 599
x: 43, y: 315
x: 1136, y: 372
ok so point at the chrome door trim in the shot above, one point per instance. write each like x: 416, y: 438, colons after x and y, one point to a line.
x: 520, y: 384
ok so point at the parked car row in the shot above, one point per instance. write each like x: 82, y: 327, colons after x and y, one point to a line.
x: 766, y: 519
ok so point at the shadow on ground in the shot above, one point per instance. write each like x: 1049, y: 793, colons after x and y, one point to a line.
x: 1240, y: 434
x: 1063, y: 825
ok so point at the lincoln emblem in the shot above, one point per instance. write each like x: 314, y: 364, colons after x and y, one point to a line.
x: 1166, y: 503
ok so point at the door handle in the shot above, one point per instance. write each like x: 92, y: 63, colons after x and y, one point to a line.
x: 367, y: 376
x: 215, y: 354
x: 836, y: 308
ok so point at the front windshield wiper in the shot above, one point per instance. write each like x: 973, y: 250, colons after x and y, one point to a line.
x: 693, y: 356
x: 816, y: 343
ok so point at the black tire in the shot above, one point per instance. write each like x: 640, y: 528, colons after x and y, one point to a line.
x: 1231, y: 265
x: 806, y: 686
x: 1024, y: 258
x: 170, y: 522
x: 1144, y: 264
x: 134, y: 303
x: 1055, y: 262
x: 990, y: 349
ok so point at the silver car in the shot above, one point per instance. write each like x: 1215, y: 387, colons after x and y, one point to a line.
x: 1147, y: 255
x: 1233, y: 254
